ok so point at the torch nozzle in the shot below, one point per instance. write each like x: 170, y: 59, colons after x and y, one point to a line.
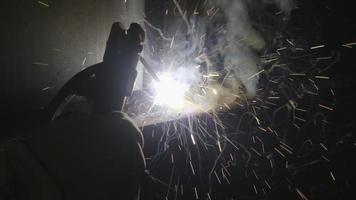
x: 149, y: 69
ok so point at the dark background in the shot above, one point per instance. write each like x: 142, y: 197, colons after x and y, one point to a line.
x: 42, y: 47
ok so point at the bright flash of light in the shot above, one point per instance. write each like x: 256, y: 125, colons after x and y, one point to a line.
x: 170, y: 92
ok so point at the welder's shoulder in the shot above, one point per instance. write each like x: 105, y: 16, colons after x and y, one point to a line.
x: 127, y: 126
x: 81, y: 82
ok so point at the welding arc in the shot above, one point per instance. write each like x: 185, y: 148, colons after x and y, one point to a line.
x: 149, y: 69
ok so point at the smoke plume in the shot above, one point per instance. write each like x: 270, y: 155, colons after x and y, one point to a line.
x: 240, y: 41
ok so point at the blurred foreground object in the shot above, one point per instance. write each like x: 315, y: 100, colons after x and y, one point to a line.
x: 96, y: 154
x: 78, y: 156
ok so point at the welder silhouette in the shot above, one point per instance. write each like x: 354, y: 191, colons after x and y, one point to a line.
x: 80, y: 155
x: 106, y: 84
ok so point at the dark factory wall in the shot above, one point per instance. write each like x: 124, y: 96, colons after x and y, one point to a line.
x: 46, y: 42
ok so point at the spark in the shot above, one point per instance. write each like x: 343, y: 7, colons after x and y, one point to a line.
x: 271, y: 163
x: 300, y: 119
x: 270, y: 103
x: 256, y: 74
x: 211, y: 75
x: 298, y: 127
x: 208, y: 196
x: 224, y: 176
x: 332, y: 92
x: 324, y: 58
x: 349, y: 45
x: 274, y: 97
x: 193, y: 140
x: 279, y: 12
x: 254, y: 172
x: 191, y: 166
x: 317, y: 47
x: 182, y: 14
x: 217, y: 177
x: 271, y: 60
x: 325, y: 158
x: 227, y: 106
x: 297, y: 74
x: 322, y: 77
x: 284, y: 144
x: 325, y: 107
x: 40, y: 64
x: 170, y: 182
x: 324, y: 147
x: 214, y: 13
x: 302, y: 110
x: 84, y: 60
x: 290, y: 42
x: 172, y: 42
x: 46, y: 88
x: 228, y: 173
x: 172, y: 158
x: 332, y: 176
x: 275, y: 132
x: 176, y: 187
x: 301, y: 194
x: 42, y: 3
x: 232, y: 158
x: 219, y: 145
x: 259, y: 154
x: 279, y: 152
x: 254, y: 187
x: 227, y: 139
x: 268, y: 185
x: 215, y: 92
x: 262, y: 129
x: 158, y: 30
x: 196, y: 193
x: 289, y: 151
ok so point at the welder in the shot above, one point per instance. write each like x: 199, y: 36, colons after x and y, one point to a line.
x: 95, y: 154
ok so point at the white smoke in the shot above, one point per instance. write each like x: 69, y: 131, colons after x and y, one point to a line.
x: 286, y: 6
x: 240, y: 40
x: 132, y: 11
